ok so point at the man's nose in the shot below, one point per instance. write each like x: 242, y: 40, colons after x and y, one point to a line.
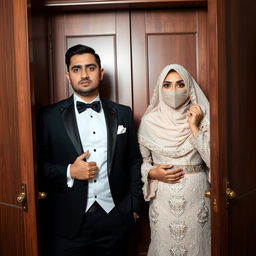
x: 84, y: 73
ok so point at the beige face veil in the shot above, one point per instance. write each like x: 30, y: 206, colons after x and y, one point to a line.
x: 166, y: 130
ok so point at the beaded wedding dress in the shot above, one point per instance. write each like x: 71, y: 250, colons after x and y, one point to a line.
x: 179, y: 213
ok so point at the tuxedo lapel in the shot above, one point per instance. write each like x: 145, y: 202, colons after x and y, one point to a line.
x: 69, y: 120
x: 111, y: 123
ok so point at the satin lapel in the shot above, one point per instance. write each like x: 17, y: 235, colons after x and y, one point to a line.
x: 69, y: 119
x: 111, y: 123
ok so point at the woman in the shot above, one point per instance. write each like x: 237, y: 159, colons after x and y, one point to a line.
x: 174, y: 142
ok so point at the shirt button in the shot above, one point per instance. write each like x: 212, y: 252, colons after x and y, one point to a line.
x: 95, y: 196
x: 94, y: 150
x: 94, y: 132
x: 91, y: 116
x: 95, y: 180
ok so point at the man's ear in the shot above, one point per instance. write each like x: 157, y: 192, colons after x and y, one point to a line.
x: 101, y: 74
x: 67, y: 76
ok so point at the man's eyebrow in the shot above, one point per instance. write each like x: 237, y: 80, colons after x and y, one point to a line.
x: 87, y: 65
x: 76, y: 66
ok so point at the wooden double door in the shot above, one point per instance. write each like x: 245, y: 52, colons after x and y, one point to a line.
x: 134, y: 47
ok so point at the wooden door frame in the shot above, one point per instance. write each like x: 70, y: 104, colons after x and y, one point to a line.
x: 20, y: 19
x: 219, y: 151
x: 217, y: 94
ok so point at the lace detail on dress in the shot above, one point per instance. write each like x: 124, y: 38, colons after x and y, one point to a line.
x: 203, y: 214
x: 154, y: 214
x: 177, y: 205
x: 178, y: 229
x: 178, y: 250
x: 177, y: 187
x: 185, y: 149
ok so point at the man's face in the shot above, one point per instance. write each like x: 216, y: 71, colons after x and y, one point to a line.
x: 85, y: 75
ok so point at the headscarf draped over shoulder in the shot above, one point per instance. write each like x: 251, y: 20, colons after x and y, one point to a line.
x: 165, y: 130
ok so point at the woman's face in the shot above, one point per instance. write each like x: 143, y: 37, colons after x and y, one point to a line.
x: 173, y: 81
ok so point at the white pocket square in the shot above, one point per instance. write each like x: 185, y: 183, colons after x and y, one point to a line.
x: 121, y: 129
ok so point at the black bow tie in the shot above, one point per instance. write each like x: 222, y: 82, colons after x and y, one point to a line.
x: 83, y: 106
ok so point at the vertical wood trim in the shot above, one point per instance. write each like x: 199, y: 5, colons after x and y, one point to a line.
x: 24, y: 121
x: 123, y: 58
x: 202, y: 50
x: 217, y: 92
x: 140, y: 79
x: 58, y: 51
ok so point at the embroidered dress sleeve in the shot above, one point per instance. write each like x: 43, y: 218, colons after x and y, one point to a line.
x: 201, y: 142
x: 150, y: 186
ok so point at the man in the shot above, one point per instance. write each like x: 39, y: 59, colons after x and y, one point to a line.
x: 90, y: 163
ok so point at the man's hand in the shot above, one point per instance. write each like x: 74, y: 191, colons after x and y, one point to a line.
x: 162, y: 173
x: 82, y: 170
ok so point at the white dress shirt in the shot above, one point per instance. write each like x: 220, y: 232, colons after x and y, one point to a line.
x: 93, y: 135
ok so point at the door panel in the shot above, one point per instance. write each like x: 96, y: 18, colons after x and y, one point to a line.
x: 164, y: 37
x: 167, y: 47
x: 160, y: 38
x: 108, y: 33
x: 232, y: 91
x: 18, y: 234
x: 241, y: 91
x: 12, y: 230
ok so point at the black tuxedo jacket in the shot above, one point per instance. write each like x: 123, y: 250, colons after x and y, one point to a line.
x: 59, y: 145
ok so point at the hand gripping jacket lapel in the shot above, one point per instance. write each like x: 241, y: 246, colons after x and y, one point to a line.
x: 69, y: 119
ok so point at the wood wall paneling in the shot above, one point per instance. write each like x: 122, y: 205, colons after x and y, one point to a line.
x: 39, y: 57
x: 167, y: 48
x: 105, y: 47
x: 108, y: 34
x: 59, y: 85
x: 164, y: 37
x: 134, y: 48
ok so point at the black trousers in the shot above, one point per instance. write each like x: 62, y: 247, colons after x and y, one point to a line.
x: 101, y: 234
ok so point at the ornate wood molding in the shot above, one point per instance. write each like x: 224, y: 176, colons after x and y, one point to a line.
x: 126, y: 4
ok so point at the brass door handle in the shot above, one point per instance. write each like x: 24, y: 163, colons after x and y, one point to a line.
x: 230, y: 193
x: 41, y: 195
x: 21, y: 198
x: 208, y: 193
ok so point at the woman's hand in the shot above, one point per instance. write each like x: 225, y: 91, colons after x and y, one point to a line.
x: 195, y: 115
x: 162, y: 173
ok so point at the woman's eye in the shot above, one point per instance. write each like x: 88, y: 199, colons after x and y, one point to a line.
x: 166, y: 85
x: 181, y: 85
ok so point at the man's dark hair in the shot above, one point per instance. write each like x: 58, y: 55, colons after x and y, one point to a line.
x: 80, y: 49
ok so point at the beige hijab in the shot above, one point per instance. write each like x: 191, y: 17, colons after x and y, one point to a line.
x: 165, y: 130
